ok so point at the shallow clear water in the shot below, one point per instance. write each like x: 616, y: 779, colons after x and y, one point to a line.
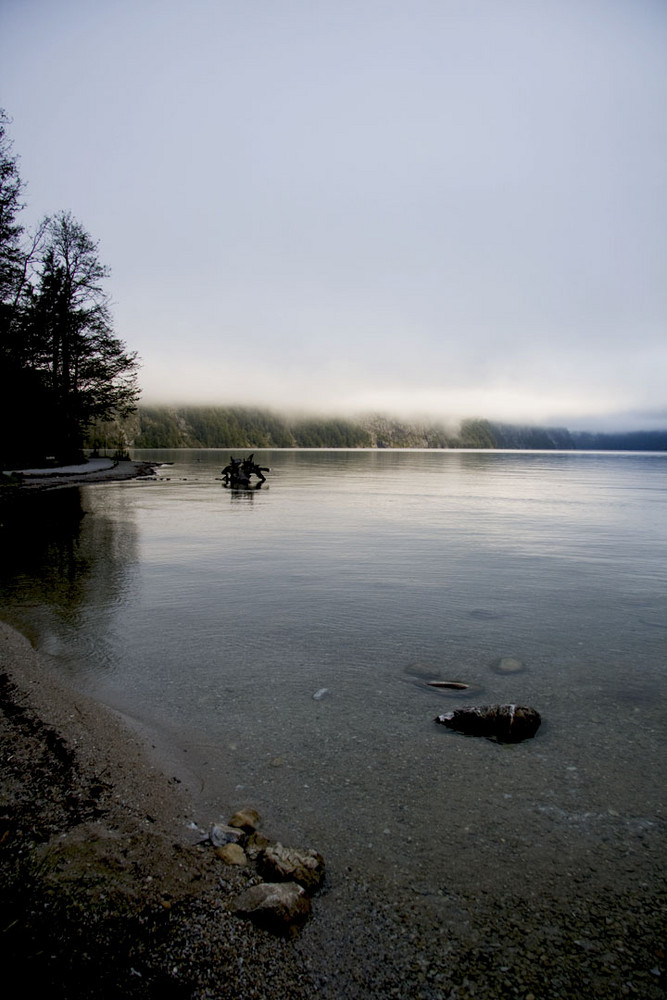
x: 213, y: 617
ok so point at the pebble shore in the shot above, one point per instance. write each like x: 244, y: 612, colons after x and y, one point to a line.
x: 109, y: 891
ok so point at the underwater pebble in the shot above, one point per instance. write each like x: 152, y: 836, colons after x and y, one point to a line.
x: 508, y: 665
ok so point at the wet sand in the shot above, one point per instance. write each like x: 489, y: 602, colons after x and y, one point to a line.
x: 108, y: 892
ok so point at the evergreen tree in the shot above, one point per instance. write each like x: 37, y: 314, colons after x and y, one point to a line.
x: 10, y: 229
x: 86, y: 371
x: 61, y: 367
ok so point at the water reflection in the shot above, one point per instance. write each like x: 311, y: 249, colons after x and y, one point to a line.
x: 66, y: 565
x: 219, y: 617
x: 39, y: 539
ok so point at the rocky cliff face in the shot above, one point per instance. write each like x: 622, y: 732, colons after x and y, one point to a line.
x: 386, y: 432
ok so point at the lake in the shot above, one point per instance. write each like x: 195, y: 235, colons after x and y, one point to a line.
x: 212, y: 618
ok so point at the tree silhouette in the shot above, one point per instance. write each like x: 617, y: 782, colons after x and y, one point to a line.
x: 61, y: 366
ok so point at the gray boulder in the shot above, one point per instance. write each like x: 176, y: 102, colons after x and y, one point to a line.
x: 281, y: 907
x: 292, y: 864
x: 219, y: 835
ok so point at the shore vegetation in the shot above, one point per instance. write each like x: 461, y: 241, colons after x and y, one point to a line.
x: 62, y: 367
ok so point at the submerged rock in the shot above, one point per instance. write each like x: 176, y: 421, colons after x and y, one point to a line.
x: 508, y: 665
x: 455, y: 685
x: 281, y: 907
x: 454, y: 689
x: 424, y: 676
x: 421, y: 671
x: 505, y: 723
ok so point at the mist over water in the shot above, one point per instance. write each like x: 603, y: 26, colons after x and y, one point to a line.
x: 212, y: 618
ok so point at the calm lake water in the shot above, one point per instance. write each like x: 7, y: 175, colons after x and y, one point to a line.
x: 212, y: 618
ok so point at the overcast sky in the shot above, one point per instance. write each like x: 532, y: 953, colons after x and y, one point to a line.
x: 442, y: 207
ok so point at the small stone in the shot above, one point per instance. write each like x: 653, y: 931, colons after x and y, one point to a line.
x: 219, y: 835
x: 449, y: 685
x: 279, y: 907
x: 231, y: 854
x: 509, y: 665
x: 454, y: 689
x: 292, y: 864
x: 256, y: 843
x: 245, y: 819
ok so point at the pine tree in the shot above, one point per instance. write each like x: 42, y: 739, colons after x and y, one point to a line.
x: 88, y: 372
x: 61, y: 366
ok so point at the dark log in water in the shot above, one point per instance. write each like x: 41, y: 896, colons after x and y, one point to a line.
x: 237, y: 474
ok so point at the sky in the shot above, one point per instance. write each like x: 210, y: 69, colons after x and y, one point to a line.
x: 427, y: 208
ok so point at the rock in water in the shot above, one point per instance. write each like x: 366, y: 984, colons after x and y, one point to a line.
x: 279, y: 907
x: 449, y: 685
x: 508, y: 665
x: 505, y: 723
x: 422, y: 671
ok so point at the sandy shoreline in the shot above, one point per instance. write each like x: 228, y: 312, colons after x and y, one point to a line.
x: 106, y: 891
x: 93, y: 471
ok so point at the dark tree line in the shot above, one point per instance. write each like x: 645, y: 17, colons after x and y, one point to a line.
x: 61, y: 366
x: 242, y: 427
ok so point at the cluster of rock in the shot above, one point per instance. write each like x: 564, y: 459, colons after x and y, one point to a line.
x: 283, y: 878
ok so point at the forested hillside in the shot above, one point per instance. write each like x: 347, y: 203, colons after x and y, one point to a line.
x: 238, y: 427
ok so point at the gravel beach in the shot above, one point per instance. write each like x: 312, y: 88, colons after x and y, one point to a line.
x: 108, y: 890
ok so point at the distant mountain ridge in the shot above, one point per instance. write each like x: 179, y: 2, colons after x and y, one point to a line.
x: 241, y: 427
